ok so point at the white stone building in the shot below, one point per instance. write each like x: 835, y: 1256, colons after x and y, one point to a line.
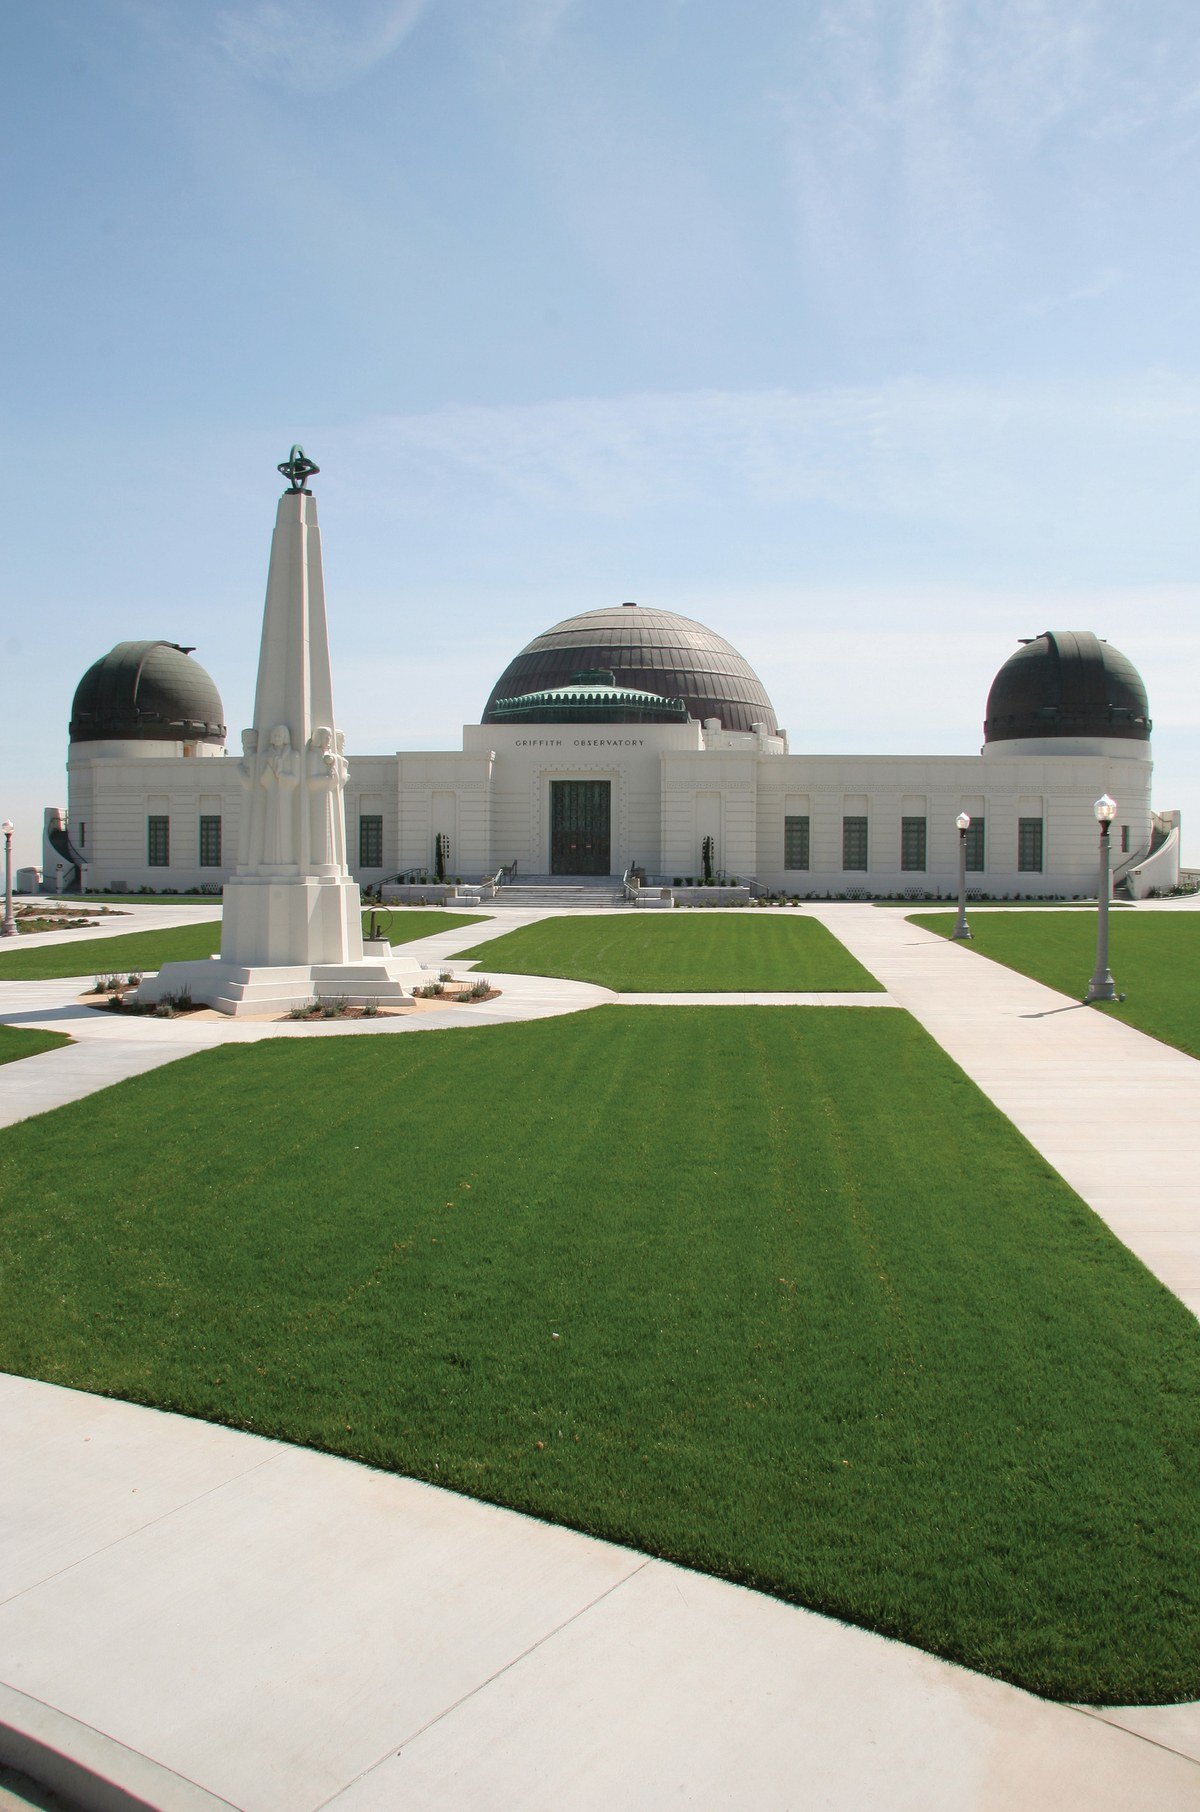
x: 635, y: 736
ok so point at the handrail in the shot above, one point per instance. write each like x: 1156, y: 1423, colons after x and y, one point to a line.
x: 631, y: 884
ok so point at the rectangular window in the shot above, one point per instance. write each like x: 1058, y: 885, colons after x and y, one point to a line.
x: 975, y: 847
x: 1124, y: 839
x: 912, y: 843
x: 158, y: 842
x: 854, y: 843
x: 210, y: 842
x: 370, y: 840
x: 795, y: 842
x: 1029, y: 846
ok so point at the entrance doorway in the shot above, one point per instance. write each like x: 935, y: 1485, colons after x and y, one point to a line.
x: 580, y: 819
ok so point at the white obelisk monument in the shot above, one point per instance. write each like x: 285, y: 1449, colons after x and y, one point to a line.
x: 291, y: 925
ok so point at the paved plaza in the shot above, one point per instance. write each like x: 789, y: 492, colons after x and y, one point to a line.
x: 206, y: 1619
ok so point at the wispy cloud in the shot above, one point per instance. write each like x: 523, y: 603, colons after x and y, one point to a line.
x: 314, y: 45
x: 1102, y: 465
x: 912, y: 131
x: 1081, y: 293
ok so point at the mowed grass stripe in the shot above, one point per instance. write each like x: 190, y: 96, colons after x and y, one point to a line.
x: 1154, y: 958
x: 681, y: 952
x: 825, y: 1323
x: 27, y: 1041
x: 145, y: 952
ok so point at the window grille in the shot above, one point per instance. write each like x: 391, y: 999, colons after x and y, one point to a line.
x: 912, y: 843
x: 795, y: 842
x: 1029, y: 846
x: 370, y: 840
x: 210, y: 842
x: 854, y: 843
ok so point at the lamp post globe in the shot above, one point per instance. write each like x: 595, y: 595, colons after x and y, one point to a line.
x: 1102, y: 986
x: 961, y: 928
x: 9, y: 927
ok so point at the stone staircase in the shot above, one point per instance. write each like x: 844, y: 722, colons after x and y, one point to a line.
x: 558, y: 893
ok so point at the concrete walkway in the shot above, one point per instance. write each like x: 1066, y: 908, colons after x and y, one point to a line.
x: 120, y: 922
x: 209, y: 1619
x: 257, y: 1626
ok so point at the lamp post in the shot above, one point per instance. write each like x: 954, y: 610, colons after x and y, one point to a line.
x: 961, y: 928
x: 9, y: 927
x: 1101, y: 986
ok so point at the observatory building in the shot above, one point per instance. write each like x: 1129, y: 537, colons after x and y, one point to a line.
x: 629, y: 736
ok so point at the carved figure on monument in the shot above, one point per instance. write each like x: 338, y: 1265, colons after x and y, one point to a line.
x: 248, y: 775
x: 280, y: 776
x: 328, y: 771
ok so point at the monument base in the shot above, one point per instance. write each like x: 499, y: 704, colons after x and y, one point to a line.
x: 286, y: 920
x: 268, y: 989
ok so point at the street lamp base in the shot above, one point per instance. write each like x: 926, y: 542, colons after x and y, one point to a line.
x: 961, y: 931
x: 9, y: 928
x: 1106, y: 989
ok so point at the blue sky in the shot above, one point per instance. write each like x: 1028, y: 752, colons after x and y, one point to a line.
x: 865, y: 332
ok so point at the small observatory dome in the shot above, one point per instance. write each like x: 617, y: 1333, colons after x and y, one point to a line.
x: 638, y: 652
x: 1067, y: 682
x: 147, y: 692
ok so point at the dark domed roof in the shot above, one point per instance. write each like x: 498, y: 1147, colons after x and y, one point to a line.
x: 147, y: 692
x: 647, y: 651
x: 1067, y: 682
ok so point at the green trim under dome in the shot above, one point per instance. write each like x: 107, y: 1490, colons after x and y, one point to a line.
x: 147, y: 692
x: 592, y: 697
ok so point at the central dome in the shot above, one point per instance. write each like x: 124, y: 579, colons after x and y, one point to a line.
x: 646, y: 651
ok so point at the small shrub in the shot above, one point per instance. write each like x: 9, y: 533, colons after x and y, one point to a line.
x: 371, y: 1010
x: 306, y: 1010
x: 335, y: 1007
x: 479, y: 990
x: 164, y: 1009
x: 445, y: 976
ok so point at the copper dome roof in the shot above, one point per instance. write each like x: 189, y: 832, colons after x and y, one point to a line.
x: 646, y: 650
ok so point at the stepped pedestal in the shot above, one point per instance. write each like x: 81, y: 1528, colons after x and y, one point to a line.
x: 273, y: 989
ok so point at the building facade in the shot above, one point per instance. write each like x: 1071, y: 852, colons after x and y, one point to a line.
x: 633, y: 736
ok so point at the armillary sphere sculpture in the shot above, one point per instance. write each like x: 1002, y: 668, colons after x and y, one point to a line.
x: 298, y: 468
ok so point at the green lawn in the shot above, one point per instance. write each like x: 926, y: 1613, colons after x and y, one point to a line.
x: 680, y: 953
x: 26, y: 1041
x: 146, y: 951
x: 1154, y: 958
x: 774, y: 1293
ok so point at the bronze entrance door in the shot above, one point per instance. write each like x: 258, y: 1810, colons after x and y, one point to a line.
x: 579, y: 826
